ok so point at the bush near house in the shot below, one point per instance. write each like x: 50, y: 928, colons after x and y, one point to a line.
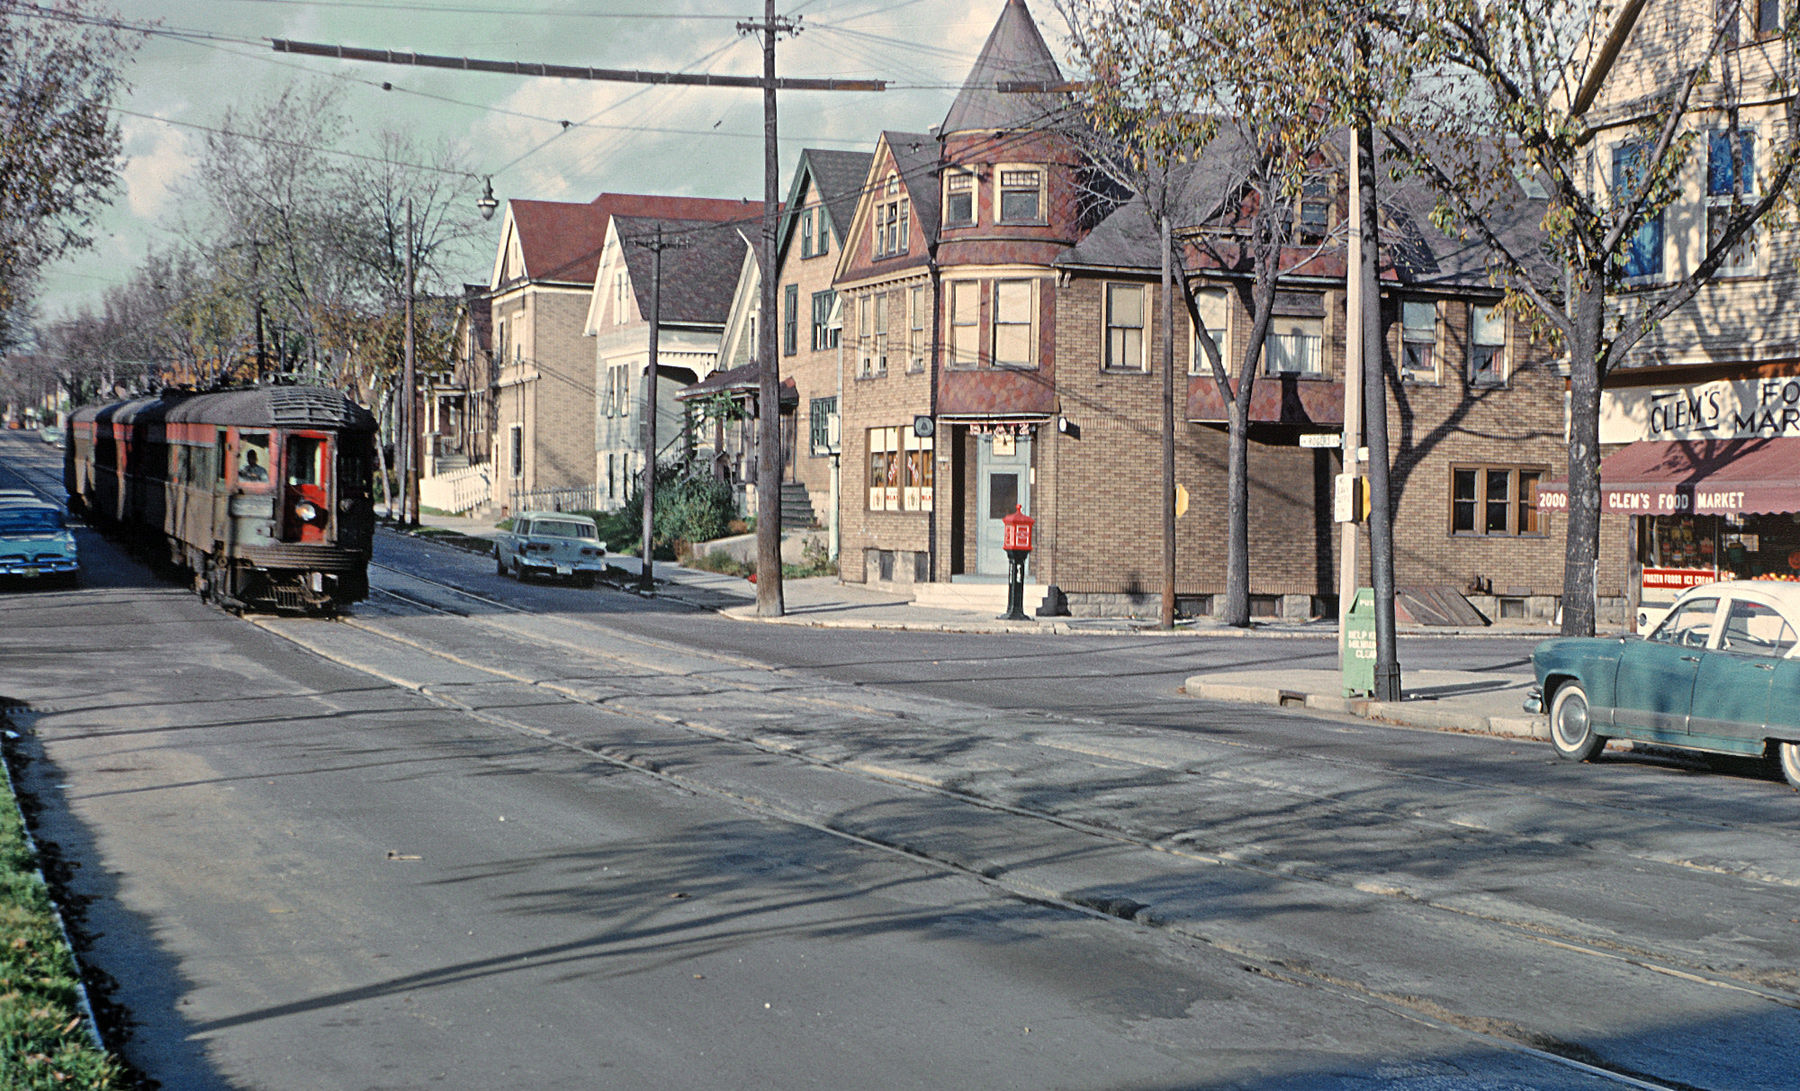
x: 688, y: 509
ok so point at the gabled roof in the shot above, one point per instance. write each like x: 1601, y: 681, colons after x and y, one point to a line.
x: 738, y: 380
x: 561, y: 241
x: 1014, y: 51
x: 699, y: 275
x: 837, y: 177
x: 916, y: 161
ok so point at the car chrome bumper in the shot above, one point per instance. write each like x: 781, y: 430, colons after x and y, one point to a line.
x: 29, y: 569
x: 1534, y: 699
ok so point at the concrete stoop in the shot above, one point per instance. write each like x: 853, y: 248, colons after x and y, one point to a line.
x: 1440, y: 700
x: 976, y: 597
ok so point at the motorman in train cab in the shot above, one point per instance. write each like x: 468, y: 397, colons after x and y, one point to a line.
x: 251, y: 470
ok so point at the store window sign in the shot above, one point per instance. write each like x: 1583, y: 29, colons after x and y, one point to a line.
x: 1729, y: 409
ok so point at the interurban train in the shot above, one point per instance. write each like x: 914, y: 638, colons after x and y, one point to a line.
x: 262, y: 493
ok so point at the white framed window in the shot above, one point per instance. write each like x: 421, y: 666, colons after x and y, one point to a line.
x: 959, y: 198
x: 915, y: 345
x: 619, y: 387
x: 893, y: 220
x: 1125, y: 309
x: 1731, y: 183
x: 881, y: 333
x: 1487, y: 345
x: 865, y: 339
x: 1021, y: 195
x: 1295, y: 346
x: 823, y: 335
x: 917, y: 473
x: 1015, y: 323
x: 621, y: 298
x: 806, y: 232
x: 965, y: 323
x: 1214, y: 305
x: 884, y: 469
x: 1418, y: 341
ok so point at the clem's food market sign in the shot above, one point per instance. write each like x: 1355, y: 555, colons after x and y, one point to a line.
x: 1727, y: 409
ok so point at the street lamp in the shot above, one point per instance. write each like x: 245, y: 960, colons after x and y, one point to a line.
x: 486, y: 202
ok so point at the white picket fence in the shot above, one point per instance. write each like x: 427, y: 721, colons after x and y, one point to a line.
x: 456, y: 491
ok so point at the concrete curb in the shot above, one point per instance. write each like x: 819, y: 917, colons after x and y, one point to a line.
x: 1426, y: 714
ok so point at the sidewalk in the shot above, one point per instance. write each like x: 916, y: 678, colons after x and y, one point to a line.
x: 1485, y: 701
x: 823, y: 602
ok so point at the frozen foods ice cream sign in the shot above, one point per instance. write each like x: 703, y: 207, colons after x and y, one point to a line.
x: 1728, y: 409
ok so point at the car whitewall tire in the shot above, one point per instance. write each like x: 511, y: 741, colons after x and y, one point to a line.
x: 1788, y: 754
x: 1571, y: 725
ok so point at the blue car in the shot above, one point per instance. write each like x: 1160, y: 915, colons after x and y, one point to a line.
x: 35, y: 544
x: 551, y: 543
x: 1719, y: 674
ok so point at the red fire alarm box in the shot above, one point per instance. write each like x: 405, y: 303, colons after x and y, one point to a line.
x: 1018, y: 531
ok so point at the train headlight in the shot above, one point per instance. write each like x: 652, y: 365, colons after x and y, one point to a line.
x: 305, y: 510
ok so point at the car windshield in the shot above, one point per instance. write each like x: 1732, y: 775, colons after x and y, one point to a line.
x: 562, y: 528
x: 29, y: 520
x: 1690, y: 625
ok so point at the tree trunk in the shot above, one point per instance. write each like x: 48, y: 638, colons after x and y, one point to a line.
x: 1582, y: 546
x: 1237, y: 514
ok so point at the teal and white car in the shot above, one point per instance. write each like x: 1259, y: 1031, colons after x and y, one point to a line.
x: 1720, y: 674
x: 551, y: 543
x: 35, y: 543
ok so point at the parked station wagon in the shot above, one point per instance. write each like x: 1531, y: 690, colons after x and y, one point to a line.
x: 1718, y: 674
x: 551, y: 543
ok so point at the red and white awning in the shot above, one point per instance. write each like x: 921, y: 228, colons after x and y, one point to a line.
x: 1704, y: 477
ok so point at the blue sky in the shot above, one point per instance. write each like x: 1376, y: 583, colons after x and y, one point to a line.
x: 699, y: 141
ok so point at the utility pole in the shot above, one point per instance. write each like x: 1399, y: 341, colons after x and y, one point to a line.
x: 1353, y: 374
x: 1167, y: 618
x: 656, y: 246
x: 409, y: 482
x: 1381, y: 522
x: 769, y: 600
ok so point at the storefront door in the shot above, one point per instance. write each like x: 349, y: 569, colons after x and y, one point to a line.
x: 1002, y: 485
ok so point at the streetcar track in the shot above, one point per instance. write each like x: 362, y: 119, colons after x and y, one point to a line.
x: 1173, y: 845
x: 1414, y: 1009
x: 1509, y: 790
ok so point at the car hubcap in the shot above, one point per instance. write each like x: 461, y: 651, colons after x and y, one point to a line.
x: 1572, y: 722
x: 1790, y: 762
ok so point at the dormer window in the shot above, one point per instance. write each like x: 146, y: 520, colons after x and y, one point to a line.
x: 959, y: 199
x: 1021, y: 195
x: 893, y: 220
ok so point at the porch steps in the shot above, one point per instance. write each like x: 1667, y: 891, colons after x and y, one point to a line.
x: 979, y: 597
x: 796, y: 507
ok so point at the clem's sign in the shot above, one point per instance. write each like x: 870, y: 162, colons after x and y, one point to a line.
x: 1727, y: 409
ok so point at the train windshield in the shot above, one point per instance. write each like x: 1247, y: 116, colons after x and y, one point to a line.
x: 30, y: 521
x: 253, y: 456
x: 305, y: 461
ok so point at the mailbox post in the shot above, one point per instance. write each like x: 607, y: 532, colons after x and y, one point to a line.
x: 1017, y: 543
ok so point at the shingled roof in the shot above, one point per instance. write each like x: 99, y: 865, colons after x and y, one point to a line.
x: 916, y: 160
x: 839, y: 177
x: 698, y: 277
x: 561, y: 240
x: 1418, y: 253
x: 1014, y: 51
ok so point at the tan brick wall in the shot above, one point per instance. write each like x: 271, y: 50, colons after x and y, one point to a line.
x: 555, y: 402
x: 1100, y: 528
x: 815, y: 372
x: 882, y: 401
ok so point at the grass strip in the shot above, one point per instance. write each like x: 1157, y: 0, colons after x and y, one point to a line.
x: 43, y: 1042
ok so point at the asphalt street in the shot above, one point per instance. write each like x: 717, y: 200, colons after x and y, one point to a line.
x: 483, y: 834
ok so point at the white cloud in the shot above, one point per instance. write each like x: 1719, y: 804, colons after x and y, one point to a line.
x: 159, y: 157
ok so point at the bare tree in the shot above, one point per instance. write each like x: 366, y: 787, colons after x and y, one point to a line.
x: 1531, y: 94
x: 59, y: 148
x: 1221, y: 130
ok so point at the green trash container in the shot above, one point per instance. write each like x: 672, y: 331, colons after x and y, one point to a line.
x: 1358, y: 650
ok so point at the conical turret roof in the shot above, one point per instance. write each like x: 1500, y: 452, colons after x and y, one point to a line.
x: 1014, y: 51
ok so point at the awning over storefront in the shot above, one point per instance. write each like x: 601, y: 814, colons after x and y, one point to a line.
x: 1705, y: 477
